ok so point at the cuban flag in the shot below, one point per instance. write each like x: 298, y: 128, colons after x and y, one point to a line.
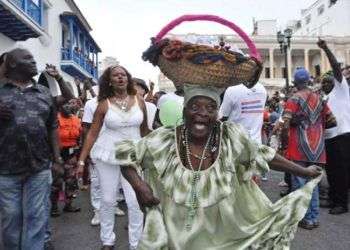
x: 252, y: 107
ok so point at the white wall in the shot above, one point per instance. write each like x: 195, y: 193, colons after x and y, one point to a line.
x: 267, y: 27
x: 333, y: 21
x: 5, y: 43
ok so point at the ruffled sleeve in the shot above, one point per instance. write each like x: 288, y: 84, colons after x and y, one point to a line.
x: 130, y: 153
x: 253, y: 157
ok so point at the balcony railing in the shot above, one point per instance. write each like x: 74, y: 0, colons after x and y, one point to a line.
x: 31, y: 8
x: 80, y: 59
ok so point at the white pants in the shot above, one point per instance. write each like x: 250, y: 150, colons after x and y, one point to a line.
x: 110, y: 176
x: 95, y: 191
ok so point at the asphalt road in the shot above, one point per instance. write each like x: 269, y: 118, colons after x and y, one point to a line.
x: 73, y: 231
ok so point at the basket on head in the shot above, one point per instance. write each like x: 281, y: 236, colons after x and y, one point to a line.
x: 184, y: 62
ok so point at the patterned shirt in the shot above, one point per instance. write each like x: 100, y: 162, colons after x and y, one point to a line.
x: 306, y: 141
x: 24, y: 139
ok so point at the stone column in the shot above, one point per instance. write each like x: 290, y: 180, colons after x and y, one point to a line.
x: 306, y: 59
x: 272, y: 63
x: 289, y: 70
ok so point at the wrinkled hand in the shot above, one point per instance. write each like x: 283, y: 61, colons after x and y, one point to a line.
x: 87, y: 85
x: 5, y: 112
x: 57, y: 169
x: 144, y: 195
x: 52, y: 71
x: 80, y: 171
x: 313, y: 171
x: 322, y: 43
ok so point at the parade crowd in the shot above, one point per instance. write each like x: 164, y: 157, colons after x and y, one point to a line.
x: 53, y: 145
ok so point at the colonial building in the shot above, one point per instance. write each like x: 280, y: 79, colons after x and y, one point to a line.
x: 325, y: 18
x: 55, y: 31
x: 107, y: 62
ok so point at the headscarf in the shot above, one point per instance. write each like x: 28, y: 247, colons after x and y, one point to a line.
x: 200, y: 90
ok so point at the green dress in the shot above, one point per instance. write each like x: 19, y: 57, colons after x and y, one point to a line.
x: 229, y: 210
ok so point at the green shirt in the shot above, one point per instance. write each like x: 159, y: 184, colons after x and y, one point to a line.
x: 229, y: 212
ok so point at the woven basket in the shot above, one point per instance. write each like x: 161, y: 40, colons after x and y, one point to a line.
x: 221, y: 74
x: 232, y: 69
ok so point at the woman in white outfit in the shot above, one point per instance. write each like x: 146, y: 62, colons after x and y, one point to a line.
x: 123, y: 116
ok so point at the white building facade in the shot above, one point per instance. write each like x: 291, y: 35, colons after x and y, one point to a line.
x: 325, y: 17
x: 107, y: 62
x: 55, y: 31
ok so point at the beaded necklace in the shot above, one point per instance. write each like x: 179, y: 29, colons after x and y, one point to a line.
x: 122, y: 104
x: 193, y: 202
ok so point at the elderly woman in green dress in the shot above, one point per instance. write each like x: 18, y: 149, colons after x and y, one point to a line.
x: 195, y: 179
x: 198, y: 186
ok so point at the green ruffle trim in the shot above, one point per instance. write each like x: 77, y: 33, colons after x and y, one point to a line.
x: 239, y: 158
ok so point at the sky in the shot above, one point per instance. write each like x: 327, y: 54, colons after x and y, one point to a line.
x: 123, y: 28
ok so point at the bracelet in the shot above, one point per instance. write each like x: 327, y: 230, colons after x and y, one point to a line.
x: 59, y: 160
x: 81, y: 163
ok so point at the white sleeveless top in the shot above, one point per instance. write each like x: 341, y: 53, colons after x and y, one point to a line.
x: 118, y: 126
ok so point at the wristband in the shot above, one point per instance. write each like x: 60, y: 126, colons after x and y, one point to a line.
x: 81, y: 163
x: 59, y: 160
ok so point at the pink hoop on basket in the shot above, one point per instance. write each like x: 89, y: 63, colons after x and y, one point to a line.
x: 252, y: 49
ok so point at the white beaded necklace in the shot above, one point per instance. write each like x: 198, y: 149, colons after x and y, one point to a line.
x: 193, y: 203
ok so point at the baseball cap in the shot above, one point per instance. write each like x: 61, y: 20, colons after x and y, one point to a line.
x: 301, y: 76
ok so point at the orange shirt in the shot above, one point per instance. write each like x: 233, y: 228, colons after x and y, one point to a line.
x: 69, y: 129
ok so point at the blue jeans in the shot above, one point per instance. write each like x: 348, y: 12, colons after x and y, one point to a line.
x: 48, y: 232
x: 313, y: 211
x: 23, y: 201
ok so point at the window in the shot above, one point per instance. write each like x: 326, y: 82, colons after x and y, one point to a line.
x: 45, y: 16
x: 332, y: 2
x: 284, y: 72
x: 267, y: 72
x: 317, y: 70
x: 308, y: 19
x: 65, y: 36
x: 320, y: 9
x: 298, y: 25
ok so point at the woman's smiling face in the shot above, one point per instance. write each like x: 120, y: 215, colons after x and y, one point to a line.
x: 201, y: 114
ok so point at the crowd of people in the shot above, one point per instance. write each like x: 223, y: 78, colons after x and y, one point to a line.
x: 54, y: 143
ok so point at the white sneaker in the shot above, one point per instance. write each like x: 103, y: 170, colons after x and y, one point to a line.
x: 96, y: 219
x: 119, y: 212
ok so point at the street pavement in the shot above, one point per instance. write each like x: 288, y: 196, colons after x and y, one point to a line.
x: 73, y: 231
